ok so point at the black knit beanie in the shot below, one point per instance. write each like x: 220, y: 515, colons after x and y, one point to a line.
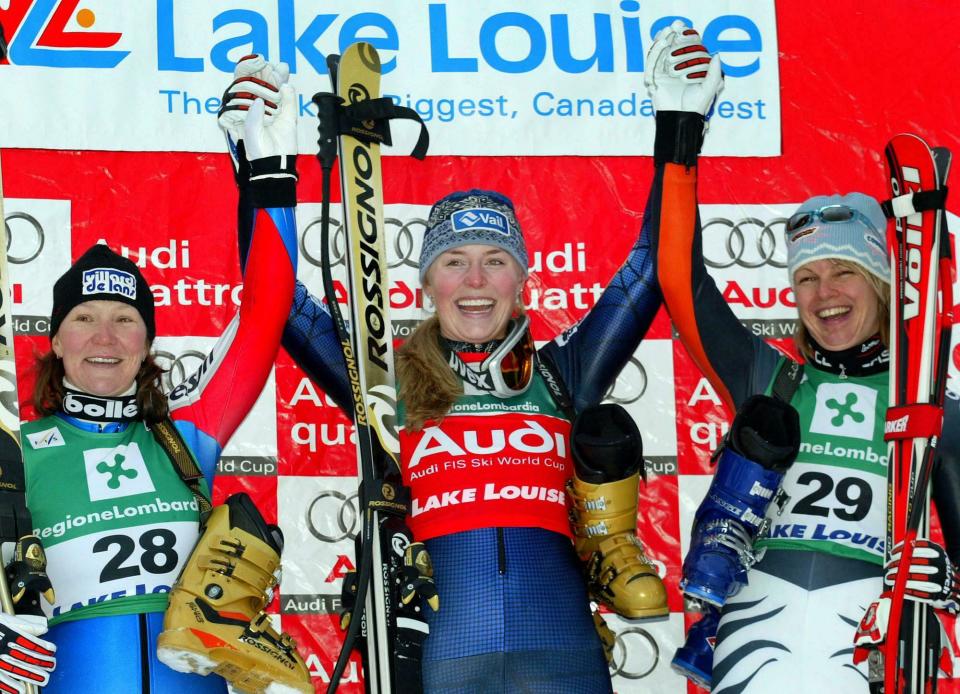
x: 102, y: 275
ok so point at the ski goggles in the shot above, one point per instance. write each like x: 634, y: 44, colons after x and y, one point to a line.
x: 829, y: 214
x: 510, y: 365
x: 508, y: 370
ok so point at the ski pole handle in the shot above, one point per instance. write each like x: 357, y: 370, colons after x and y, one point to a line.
x: 327, y: 109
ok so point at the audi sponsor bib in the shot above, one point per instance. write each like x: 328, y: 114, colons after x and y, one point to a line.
x: 490, y: 463
x: 837, y: 486
x: 114, y: 517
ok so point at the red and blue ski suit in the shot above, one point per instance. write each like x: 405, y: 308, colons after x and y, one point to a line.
x: 114, y: 652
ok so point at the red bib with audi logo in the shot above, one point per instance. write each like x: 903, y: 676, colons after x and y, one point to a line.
x: 491, y: 462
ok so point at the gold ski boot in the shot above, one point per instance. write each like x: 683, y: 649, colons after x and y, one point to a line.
x: 608, y: 459
x: 604, y: 520
x: 215, y: 621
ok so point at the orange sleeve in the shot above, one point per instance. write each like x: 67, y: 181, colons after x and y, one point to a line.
x: 675, y: 271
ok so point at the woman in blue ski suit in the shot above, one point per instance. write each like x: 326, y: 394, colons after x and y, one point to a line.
x: 498, y: 573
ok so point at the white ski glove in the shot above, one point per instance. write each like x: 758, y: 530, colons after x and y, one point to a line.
x: 679, y: 72
x: 272, y: 137
x: 25, y: 658
x: 932, y: 577
x: 253, y: 78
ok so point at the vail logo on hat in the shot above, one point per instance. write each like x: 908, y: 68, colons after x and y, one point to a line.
x: 105, y: 280
x: 480, y: 219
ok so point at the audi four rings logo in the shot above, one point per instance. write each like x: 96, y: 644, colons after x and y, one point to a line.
x: 178, y: 366
x: 635, y: 654
x: 635, y: 378
x: 332, y: 507
x: 738, y: 251
x: 25, y: 237
x: 405, y: 251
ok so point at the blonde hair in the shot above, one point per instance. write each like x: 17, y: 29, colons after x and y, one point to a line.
x: 882, y: 289
x: 428, y: 386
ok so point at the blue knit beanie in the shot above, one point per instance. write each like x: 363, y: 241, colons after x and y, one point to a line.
x: 468, y: 217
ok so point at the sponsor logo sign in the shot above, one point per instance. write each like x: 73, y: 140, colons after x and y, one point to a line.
x: 490, y: 72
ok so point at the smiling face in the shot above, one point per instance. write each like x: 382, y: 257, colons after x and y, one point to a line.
x: 102, y: 345
x: 837, y: 304
x: 475, y: 289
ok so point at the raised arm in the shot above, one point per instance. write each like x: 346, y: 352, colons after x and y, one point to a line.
x: 683, y: 81
x: 589, y: 355
x: 220, y: 394
x: 309, y: 334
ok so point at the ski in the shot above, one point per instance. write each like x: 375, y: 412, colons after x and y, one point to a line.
x: 15, y: 522
x: 354, y: 122
x: 906, y: 633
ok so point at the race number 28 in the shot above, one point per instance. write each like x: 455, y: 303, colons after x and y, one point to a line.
x: 159, y: 555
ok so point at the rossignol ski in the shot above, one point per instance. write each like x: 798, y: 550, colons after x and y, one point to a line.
x: 15, y: 522
x: 379, y: 595
x: 904, y: 636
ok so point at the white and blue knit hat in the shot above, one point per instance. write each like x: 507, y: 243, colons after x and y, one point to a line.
x: 848, y: 227
x: 473, y: 216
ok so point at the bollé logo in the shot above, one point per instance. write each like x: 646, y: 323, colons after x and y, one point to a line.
x: 55, y: 33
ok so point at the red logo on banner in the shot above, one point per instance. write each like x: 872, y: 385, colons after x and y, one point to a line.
x: 340, y: 569
x: 38, y: 35
x: 702, y: 420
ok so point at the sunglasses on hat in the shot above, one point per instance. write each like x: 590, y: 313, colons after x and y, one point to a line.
x: 827, y: 213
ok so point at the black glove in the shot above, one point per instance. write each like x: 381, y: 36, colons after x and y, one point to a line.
x: 418, y: 576
x: 28, y: 570
x: 766, y: 430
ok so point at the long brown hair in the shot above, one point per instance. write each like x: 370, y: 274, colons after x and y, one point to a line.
x: 48, y: 391
x: 880, y: 288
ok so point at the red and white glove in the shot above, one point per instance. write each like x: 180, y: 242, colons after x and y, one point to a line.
x: 932, y: 576
x: 266, y: 137
x: 679, y: 72
x: 253, y: 78
x: 25, y: 658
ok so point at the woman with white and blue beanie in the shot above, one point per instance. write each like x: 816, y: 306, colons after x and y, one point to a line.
x: 481, y: 425
x: 789, y: 626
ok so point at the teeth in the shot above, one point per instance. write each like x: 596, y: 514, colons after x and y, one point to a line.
x: 475, y: 302
x: 835, y: 311
x: 103, y: 360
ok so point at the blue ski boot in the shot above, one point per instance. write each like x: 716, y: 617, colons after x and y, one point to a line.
x: 694, y: 659
x: 762, y: 444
